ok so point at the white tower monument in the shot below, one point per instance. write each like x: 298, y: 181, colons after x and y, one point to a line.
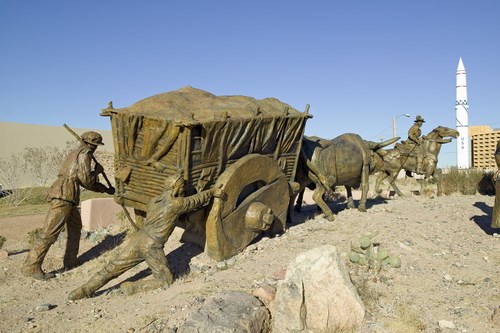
x: 462, y: 115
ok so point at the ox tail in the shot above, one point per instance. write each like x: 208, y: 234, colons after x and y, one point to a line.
x: 312, y: 168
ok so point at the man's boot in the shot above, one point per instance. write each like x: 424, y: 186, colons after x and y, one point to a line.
x: 32, y: 266
x: 87, y: 289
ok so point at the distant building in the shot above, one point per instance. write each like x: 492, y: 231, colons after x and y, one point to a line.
x: 483, y: 142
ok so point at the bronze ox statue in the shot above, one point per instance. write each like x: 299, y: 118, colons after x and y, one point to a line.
x: 388, y: 163
x: 324, y: 164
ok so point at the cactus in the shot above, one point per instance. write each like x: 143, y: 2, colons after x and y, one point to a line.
x: 370, y: 253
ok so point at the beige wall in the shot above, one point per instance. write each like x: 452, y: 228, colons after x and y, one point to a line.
x: 14, y: 137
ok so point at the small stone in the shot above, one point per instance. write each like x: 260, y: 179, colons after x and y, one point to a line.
x: 446, y: 324
x: 44, y: 307
x: 495, y: 317
x: 448, y: 278
x: 230, y: 261
x: 280, y: 275
x: 4, y: 254
x: 199, y: 299
x: 265, y: 293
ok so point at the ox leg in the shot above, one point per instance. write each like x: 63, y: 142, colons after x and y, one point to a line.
x: 350, y: 201
x: 289, y: 211
x: 437, y: 176
x: 318, y: 194
x: 300, y: 198
x: 364, y: 189
x: 380, y: 178
x: 392, y: 181
x: 318, y: 198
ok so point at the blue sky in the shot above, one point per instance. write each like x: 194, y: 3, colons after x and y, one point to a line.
x: 357, y: 63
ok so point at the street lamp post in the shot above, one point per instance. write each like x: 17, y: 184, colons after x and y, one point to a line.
x: 394, y: 123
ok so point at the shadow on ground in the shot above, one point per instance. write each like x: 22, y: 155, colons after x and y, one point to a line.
x: 310, y: 211
x: 484, y: 221
x: 108, y: 243
x: 178, y: 261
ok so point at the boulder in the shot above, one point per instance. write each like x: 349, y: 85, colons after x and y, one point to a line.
x: 229, y: 311
x: 317, y: 295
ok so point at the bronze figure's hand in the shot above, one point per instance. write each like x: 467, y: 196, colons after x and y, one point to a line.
x: 110, y: 190
x: 219, y: 193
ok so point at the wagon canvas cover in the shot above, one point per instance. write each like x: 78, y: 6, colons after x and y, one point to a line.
x: 199, y: 133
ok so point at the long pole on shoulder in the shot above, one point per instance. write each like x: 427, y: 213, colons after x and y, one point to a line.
x: 93, y: 157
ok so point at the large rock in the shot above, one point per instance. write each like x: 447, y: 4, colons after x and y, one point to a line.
x: 317, y: 295
x: 229, y: 311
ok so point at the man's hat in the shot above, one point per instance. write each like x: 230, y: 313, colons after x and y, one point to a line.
x: 419, y: 119
x: 92, y: 138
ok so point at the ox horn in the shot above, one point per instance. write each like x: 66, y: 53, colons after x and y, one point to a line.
x: 377, y: 145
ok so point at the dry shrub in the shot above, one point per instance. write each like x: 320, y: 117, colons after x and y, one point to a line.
x: 405, y: 320
x: 2, y: 241
x: 34, y: 166
x: 465, y: 182
x: 369, y: 293
x: 33, y: 235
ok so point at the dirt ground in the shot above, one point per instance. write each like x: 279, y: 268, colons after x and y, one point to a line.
x: 448, y: 281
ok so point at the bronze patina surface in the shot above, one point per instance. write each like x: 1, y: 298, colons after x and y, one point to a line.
x: 247, y: 147
x: 221, y: 167
x: 406, y: 157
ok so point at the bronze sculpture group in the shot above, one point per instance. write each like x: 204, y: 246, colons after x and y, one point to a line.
x: 224, y: 168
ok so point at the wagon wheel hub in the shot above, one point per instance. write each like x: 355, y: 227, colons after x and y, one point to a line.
x: 258, y: 194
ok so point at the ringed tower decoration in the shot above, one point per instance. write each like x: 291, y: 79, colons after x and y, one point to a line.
x: 462, y: 118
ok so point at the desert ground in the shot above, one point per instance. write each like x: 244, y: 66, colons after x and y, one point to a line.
x: 448, y: 281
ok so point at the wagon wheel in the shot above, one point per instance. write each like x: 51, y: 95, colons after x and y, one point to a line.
x: 257, y: 197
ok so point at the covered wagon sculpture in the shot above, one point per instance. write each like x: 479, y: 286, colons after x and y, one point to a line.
x: 247, y: 147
